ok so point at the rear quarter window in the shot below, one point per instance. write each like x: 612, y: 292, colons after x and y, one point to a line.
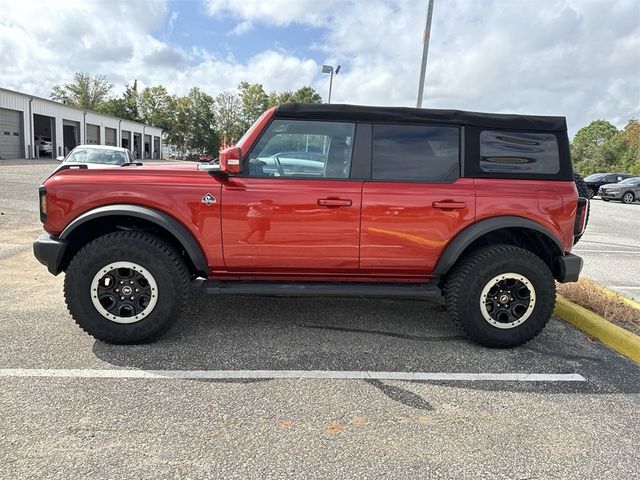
x: 519, y: 152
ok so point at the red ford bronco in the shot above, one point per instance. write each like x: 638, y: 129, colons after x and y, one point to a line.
x: 335, y: 200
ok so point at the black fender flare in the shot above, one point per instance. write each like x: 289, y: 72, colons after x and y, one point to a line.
x: 467, y: 236
x: 168, y: 223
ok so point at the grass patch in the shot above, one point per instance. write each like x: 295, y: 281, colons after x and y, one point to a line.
x: 609, y: 305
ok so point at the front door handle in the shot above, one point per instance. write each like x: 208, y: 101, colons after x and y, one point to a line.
x: 449, y: 205
x: 334, y: 202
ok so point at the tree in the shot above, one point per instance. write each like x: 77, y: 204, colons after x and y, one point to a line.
x: 254, y: 102
x: 156, y: 107
x: 306, y: 94
x: 586, y: 149
x: 132, y: 101
x: 115, y: 107
x: 228, y: 112
x: 87, y: 91
x: 202, y: 134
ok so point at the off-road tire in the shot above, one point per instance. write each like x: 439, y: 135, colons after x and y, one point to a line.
x: 586, y: 192
x: 465, y: 282
x: 166, y: 266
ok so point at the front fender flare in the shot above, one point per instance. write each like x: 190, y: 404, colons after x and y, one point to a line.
x: 466, y: 237
x: 168, y: 223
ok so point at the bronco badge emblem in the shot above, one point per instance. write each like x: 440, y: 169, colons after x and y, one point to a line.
x: 208, y: 199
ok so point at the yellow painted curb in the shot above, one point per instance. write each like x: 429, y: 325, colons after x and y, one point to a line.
x: 615, y: 337
x: 626, y: 300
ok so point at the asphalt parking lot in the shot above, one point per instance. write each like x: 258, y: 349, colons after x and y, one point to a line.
x: 83, y: 425
x: 611, y: 246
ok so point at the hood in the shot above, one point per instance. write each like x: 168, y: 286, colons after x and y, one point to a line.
x: 612, y: 185
x: 154, y: 169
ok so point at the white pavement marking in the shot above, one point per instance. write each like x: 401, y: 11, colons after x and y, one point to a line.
x: 296, y: 374
x: 626, y: 288
x: 633, y: 252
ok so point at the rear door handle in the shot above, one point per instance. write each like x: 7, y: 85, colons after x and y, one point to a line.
x: 334, y: 202
x: 448, y: 205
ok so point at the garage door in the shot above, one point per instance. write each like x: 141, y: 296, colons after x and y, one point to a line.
x: 110, y: 137
x: 11, y: 139
x: 93, y: 134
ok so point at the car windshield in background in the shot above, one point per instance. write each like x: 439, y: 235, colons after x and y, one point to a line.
x: 630, y: 181
x: 93, y: 155
x: 594, y: 177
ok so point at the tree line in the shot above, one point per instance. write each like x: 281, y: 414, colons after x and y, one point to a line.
x: 601, y: 147
x: 195, y: 123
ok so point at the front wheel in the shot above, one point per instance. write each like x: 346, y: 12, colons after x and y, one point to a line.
x: 500, y: 296
x: 126, y: 287
x: 628, y: 198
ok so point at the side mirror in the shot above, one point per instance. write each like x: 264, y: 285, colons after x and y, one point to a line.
x: 230, y: 160
x: 60, y: 159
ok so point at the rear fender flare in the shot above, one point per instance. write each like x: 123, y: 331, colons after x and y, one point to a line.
x: 466, y: 237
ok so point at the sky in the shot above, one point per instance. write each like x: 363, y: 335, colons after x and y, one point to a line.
x: 575, y: 58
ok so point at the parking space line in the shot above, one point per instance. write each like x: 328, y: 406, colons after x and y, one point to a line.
x: 288, y: 374
x: 633, y: 252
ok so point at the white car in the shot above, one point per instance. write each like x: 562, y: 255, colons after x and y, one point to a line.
x: 45, y: 147
x: 97, y: 156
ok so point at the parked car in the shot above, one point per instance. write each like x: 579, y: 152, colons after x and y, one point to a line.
x: 96, y: 156
x: 627, y: 191
x: 481, y: 208
x: 44, y: 145
x: 596, y: 180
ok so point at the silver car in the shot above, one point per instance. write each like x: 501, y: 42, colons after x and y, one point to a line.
x: 627, y: 191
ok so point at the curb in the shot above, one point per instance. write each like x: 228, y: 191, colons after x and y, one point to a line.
x: 615, y: 337
x: 628, y: 301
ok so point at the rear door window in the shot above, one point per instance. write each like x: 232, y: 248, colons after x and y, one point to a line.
x: 415, y: 153
x: 519, y: 152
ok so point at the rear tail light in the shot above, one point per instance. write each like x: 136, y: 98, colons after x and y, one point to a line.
x: 581, y: 216
x: 42, y: 193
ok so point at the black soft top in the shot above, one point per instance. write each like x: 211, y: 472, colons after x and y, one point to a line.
x: 361, y: 113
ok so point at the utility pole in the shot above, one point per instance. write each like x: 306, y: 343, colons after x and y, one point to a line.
x: 425, y: 52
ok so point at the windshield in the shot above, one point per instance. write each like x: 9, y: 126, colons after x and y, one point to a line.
x: 631, y: 180
x: 94, y: 155
x: 595, y: 177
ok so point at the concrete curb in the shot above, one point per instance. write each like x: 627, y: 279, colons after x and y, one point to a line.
x: 615, y: 337
x: 628, y: 301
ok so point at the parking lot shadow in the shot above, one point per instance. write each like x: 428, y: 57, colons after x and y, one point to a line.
x: 358, y: 334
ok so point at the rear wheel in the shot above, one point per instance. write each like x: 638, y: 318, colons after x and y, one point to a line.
x: 628, y: 197
x: 500, y: 296
x: 126, y: 287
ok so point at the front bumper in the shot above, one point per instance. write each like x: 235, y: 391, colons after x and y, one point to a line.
x: 569, y: 268
x: 50, y: 251
x: 615, y: 195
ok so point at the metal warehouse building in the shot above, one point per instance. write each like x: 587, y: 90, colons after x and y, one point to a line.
x: 28, y: 122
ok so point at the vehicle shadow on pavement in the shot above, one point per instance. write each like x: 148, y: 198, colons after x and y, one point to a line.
x: 357, y: 334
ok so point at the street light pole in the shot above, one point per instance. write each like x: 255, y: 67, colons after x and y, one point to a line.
x: 425, y: 52
x: 330, y: 70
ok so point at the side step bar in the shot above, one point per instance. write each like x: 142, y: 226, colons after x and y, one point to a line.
x: 323, y: 289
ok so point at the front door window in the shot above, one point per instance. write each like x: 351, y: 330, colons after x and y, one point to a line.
x: 302, y: 149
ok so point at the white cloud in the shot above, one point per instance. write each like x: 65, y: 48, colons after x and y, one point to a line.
x: 242, y: 28
x: 557, y: 57
x: 563, y: 57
